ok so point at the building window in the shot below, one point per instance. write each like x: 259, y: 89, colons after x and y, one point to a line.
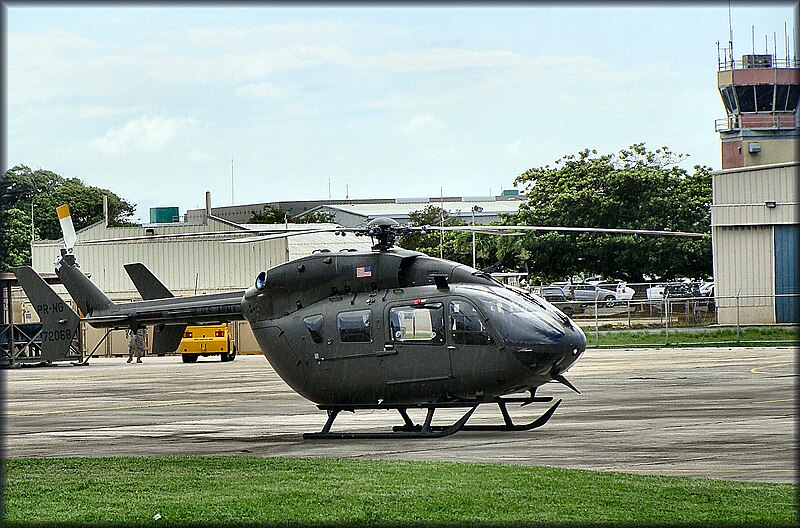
x: 745, y: 95
x: 418, y: 323
x: 791, y: 98
x: 354, y: 327
x: 728, y: 99
x: 764, y: 97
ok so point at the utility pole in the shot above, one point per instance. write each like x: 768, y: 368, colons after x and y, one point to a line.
x: 232, y: 201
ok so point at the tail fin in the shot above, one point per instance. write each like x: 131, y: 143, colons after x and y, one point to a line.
x: 166, y: 338
x: 89, y: 297
x: 59, y: 322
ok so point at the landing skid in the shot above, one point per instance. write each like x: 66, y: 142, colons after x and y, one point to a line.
x: 409, y: 429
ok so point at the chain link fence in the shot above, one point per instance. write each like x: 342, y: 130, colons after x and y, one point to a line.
x: 688, y: 313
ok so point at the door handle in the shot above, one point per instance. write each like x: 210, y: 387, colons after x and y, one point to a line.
x: 451, y: 347
x: 388, y: 350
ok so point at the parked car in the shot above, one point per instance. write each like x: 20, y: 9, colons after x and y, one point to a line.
x: 655, y: 293
x: 591, y: 293
x: 622, y: 291
x: 684, y: 296
x: 565, y: 287
x: 555, y: 296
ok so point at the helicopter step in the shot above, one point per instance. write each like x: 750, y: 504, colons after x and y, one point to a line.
x: 426, y: 430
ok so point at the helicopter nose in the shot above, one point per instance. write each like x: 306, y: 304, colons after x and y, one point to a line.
x: 572, y: 346
x: 557, y: 356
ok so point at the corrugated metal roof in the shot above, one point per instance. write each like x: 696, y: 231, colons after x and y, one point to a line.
x: 403, y: 209
x: 303, y: 245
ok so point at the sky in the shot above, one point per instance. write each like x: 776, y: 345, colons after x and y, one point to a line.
x: 268, y: 102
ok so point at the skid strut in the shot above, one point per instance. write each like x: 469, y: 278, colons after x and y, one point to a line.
x: 409, y: 429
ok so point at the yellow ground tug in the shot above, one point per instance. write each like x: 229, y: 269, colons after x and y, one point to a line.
x: 207, y: 340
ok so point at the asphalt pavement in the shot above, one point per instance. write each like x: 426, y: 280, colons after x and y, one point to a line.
x: 724, y: 413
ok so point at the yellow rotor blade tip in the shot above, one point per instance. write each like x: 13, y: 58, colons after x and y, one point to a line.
x: 63, y: 211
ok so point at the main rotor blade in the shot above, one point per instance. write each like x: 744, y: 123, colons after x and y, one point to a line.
x: 496, y: 229
x: 274, y: 236
x: 251, y: 235
x: 170, y: 236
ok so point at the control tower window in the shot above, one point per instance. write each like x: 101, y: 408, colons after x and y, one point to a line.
x: 746, y: 96
x: 781, y: 93
x: 786, y: 97
x: 764, y: 95
x: 728, y: 99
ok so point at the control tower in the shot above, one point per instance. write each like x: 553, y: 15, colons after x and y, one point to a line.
x: 755, y: 210
x: 760, y: 95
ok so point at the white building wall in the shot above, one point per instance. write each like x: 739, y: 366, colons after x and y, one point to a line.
x: 177, y: 263
x: 743, y: 237
x: 741, y: 195
x: 744, y: 268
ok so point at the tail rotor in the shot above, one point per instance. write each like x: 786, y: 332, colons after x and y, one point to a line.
x: 67, y: 228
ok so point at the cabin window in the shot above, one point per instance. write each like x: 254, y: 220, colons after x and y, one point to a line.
x: 354, y: 327
x: 467, y: 326
x: 314, y: 326
x: 417, y: 323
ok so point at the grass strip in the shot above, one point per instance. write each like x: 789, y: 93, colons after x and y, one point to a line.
x: 218, y: 490
x: 748, y: 336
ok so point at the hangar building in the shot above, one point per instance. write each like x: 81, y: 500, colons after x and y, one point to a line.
x: 350, y: 213
x: 185, y: 265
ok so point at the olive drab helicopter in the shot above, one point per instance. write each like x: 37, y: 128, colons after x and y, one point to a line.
x: 388, y: 329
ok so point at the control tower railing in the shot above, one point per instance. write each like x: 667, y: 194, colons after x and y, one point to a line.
x: 749, y: 63
x: 763, y: 121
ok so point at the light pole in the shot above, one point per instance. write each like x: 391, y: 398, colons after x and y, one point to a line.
x: 475, y: 209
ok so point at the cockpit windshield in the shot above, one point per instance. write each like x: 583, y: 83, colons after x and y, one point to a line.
x: 518, y: 320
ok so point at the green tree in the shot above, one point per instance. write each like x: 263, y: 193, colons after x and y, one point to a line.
x: 15, y: 238
x: 23, y: 189
x: 633, y: 189
x: 275, y: 215
x: 454, y: 245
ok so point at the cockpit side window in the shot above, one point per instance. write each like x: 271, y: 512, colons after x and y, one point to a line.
x: 466, y: 325
x: 417, y: 323
x: 354, y: 327
x: 314, y: 324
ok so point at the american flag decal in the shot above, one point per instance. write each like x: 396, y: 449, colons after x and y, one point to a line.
x: 363, y: 272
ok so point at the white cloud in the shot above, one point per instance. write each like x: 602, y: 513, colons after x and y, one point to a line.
x: 271, y: 34
x: 439, y: 59
x: 143, y: 133
x: 91, y: 112
x: 421, y: 124
x: 257, y: 91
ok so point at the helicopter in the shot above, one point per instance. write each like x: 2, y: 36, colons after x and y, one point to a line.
x: 388, y: 329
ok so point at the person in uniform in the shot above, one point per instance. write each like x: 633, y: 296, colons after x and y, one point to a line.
x: 136, y: 345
